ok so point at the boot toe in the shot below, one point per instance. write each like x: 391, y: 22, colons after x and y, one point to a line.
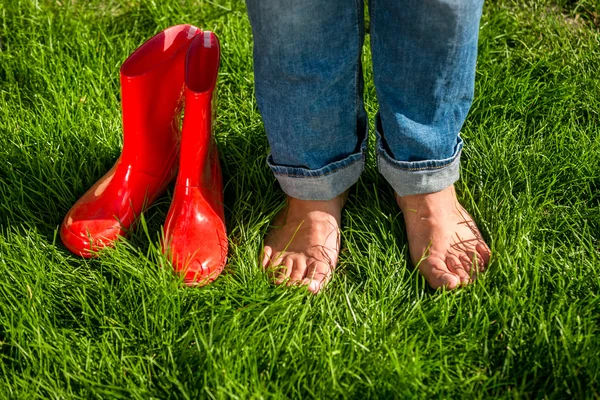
x: 199, y: 264
x: 201, y: 271
x: 86, y: 239
x: 199, y: 254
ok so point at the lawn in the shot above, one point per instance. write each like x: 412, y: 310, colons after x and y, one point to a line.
x: 122, y: 326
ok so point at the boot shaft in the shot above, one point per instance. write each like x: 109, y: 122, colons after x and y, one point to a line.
x: 198, y: 150
x: 151, y: 88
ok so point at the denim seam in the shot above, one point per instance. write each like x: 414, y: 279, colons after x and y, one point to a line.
x: 371, y: 15
x: 358, y: 59
x: 381, y: 158
x: 321, y: 175
x: 372, y: 38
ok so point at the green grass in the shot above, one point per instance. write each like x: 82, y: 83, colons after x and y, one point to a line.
x: 121, y: 326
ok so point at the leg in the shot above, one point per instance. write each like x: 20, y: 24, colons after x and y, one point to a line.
x: 424, y: 54
x: 309, y: 91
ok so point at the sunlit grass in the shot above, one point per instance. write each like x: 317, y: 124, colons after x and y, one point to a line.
x: 124, y: 326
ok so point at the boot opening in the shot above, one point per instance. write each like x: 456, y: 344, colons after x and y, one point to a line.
x: 157, y: 50
x: 202, y: 63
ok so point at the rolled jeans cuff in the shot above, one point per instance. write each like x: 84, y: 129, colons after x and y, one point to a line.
x: 418, y: 177
x: 320, y: 184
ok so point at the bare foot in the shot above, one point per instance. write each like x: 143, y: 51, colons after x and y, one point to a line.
x: 304, y: 242
x: 443, y: 240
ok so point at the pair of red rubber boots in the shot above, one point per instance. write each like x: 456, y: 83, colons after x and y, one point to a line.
x: 174, y: 69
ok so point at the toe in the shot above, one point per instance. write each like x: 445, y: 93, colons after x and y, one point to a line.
x: 485, y: 254
x: 283, y: 269
x: 319, y: 274
x: 267, y: 253
x: 436, y: 273
x: 472, y: 264
x: 298, y: 270
x: 448, y: 281
x: 455, y: 266
x: 468, y: 262
x: 315, y: 286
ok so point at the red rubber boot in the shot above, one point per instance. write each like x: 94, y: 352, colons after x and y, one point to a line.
x: 151, y: 87
x: 195, y: 236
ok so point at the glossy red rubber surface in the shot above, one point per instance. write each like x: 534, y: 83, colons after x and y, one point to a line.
x: 152, y: 80
x: 195, y: 234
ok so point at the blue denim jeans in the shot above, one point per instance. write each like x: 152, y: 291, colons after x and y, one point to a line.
x: 309, y: 89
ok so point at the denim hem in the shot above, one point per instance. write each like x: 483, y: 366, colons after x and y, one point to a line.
x: 419, y: 177
x: 320, y: 184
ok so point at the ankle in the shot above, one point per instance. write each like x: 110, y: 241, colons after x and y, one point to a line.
x: 335, y: 204
x: 426, y: 200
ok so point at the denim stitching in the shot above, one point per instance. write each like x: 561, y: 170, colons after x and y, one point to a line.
x: 357, y: 7
x: 321, y: 175
x: 361, y: 154
x: 391, y: 164
x: 373, y: 39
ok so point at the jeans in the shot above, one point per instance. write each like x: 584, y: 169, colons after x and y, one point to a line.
x: 309, y: 89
